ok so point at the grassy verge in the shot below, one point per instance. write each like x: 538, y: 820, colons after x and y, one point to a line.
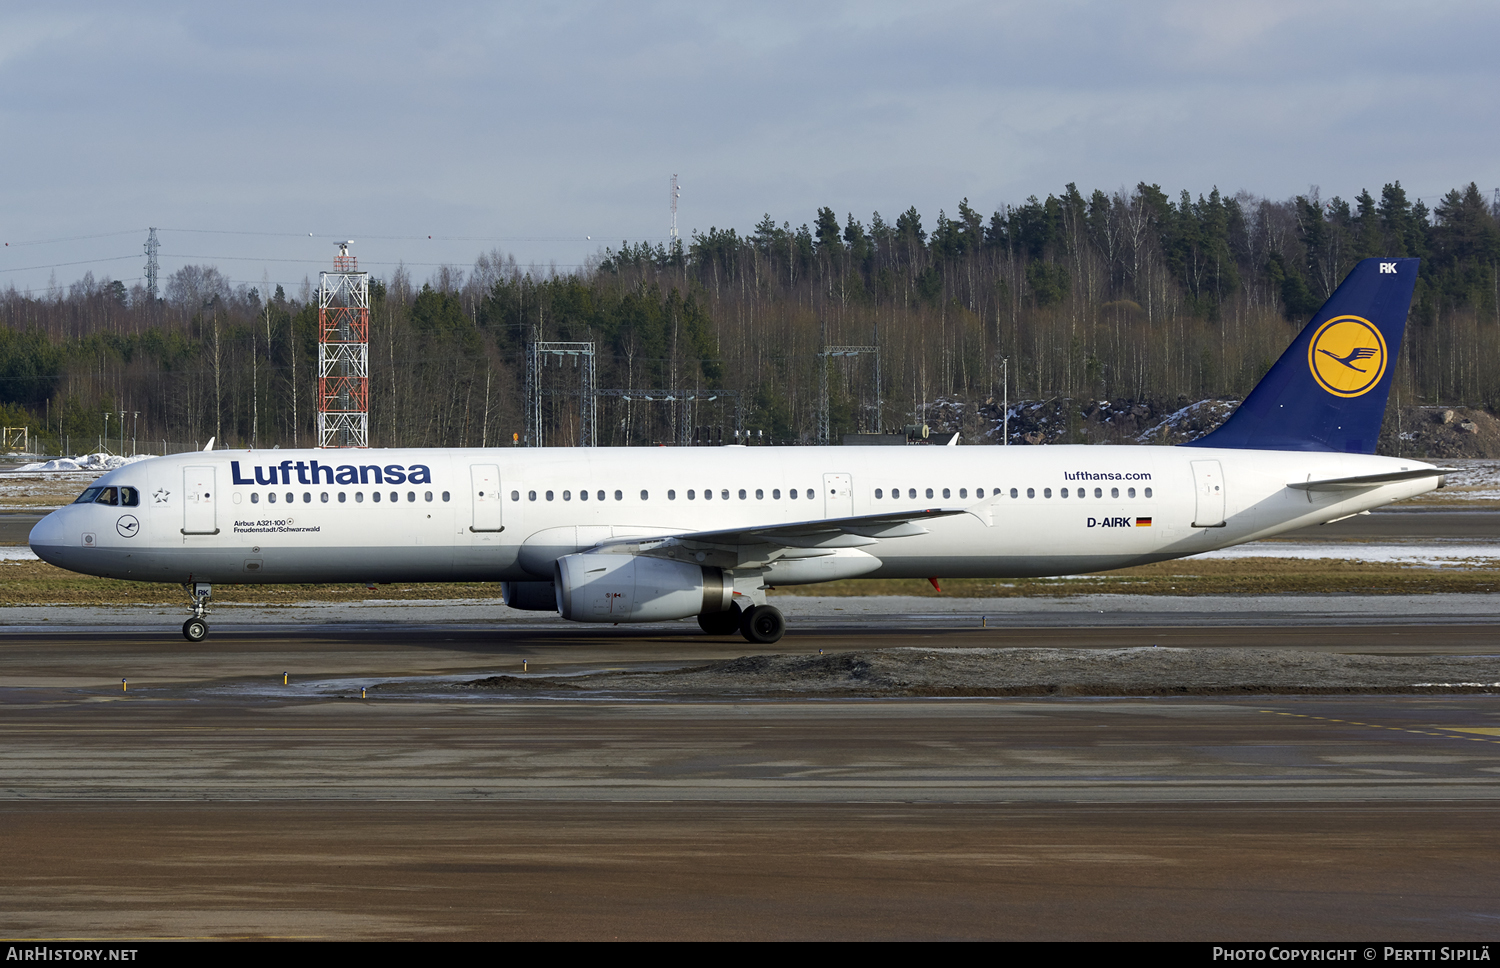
x: 1236, y: 576
x: 38, y: 583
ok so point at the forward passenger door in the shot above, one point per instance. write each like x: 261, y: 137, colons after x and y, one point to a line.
x: 200, y: 499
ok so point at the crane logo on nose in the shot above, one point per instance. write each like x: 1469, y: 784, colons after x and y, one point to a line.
x: 128, y: 526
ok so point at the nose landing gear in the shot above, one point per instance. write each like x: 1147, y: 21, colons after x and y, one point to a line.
x: 195, y: 629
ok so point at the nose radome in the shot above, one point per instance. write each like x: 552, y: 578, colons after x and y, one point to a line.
x: 47, y: 534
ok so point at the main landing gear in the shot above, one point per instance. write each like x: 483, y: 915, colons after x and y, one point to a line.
x: 195, y: 629
x: 721, y: 623
x: 761, y: 624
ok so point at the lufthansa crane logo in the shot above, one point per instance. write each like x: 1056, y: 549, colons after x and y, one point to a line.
x: 1347, y: 356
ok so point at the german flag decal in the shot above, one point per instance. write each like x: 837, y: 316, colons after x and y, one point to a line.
x: 1143, y: 522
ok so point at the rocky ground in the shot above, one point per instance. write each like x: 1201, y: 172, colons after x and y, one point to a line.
x: 1012, y: 672
x: 1433, y: 432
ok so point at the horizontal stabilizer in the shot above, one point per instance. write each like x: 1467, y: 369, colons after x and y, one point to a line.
x: 1369, y: 480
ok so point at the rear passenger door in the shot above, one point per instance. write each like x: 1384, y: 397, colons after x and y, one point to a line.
x: 1208, y: 481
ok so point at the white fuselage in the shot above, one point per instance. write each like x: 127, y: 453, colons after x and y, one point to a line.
x: 508, y: 514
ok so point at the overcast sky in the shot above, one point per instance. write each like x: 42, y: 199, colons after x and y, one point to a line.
x: 530, y: 127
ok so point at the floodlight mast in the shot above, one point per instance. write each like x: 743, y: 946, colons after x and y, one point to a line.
x: 344, y: 353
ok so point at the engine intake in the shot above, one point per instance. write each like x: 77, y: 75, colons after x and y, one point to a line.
x: 602, y: 587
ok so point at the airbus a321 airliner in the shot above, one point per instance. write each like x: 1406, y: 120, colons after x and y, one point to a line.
x: 615, y: 535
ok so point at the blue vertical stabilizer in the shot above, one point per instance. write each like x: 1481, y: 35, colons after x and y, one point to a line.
x: 1328, y: 390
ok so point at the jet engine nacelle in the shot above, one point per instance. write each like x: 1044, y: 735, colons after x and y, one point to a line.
x: 602, y: 587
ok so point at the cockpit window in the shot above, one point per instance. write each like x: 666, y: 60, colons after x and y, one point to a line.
x: 129, y: 497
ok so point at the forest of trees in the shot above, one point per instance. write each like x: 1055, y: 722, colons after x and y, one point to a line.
x: 1129, y: 295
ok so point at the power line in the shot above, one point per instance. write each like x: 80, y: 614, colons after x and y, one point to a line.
x: 251, y: 258
x: 74, y: 238
x: 411, y: 238
x: 59, y: 265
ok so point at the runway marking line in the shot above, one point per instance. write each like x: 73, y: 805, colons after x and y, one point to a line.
x: 1486, y: 730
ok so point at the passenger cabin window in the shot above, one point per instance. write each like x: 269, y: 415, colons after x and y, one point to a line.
x: 645, y: 496
x: 1148, y: 492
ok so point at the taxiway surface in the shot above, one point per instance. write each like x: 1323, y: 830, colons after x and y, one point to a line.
x: 207, y: 797
x: 211, y: 800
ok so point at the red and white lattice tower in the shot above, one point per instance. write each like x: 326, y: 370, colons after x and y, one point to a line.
x: 344, y: 353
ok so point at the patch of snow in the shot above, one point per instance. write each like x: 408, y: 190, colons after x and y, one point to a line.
x: 87, y: 462
x: 1429, y: 553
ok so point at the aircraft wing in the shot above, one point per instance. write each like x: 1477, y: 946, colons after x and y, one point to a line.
x: 1368, y: 480
x: 850, y: 532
